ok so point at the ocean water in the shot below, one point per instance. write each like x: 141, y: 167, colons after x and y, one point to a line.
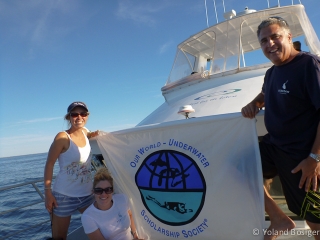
x: 20, y: 169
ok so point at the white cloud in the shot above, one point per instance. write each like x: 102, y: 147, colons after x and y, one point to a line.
x: 41, y: 22
x: 29, y: 138
x: 140, y: 13
x: 165, y: 46
x: 24, y: 144
x: 20, y: 124
x: 37, y: 120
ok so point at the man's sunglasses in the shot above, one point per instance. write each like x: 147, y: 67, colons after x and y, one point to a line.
x: 82, y: 114
x: 99, y: 191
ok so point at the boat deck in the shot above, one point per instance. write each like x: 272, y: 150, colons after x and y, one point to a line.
x: 295, y: 234
x: 299, y: 235
x: 78, y: 234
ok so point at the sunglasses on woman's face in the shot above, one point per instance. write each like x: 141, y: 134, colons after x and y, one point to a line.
x: 99, y: 191
x: 82, y: 114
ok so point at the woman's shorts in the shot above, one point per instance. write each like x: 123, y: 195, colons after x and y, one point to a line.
x: 69, y: 205
x: 276, y: 162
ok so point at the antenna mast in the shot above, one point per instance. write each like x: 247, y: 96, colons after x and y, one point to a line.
x: 205, y: 4
x: 215, y: 10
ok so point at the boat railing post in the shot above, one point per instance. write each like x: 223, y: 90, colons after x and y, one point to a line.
x: 38, y: 190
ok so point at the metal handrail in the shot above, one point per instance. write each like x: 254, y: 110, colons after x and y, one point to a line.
x: 23, y: 184
x: 33, y: 183
x: 97, y: 163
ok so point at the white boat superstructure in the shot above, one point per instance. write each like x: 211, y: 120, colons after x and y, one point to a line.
x: 217, y: 71
x: 220, y: 69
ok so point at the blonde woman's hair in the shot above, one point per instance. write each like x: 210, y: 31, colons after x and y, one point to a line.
x: 102, y: 174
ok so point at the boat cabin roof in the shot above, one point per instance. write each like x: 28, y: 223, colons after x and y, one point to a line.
x: 225, y: 46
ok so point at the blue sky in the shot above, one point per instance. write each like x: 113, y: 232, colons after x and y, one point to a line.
x: 114, y: 55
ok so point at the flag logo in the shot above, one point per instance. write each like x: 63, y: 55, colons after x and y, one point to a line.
x: 171, y: 186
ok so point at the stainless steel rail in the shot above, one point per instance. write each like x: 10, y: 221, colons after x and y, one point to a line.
x: 33, y: 183
x: 96, y: 162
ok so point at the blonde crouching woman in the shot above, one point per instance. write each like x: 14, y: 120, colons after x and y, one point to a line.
x: 109, y: 217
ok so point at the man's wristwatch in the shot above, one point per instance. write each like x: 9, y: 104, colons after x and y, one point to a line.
x: 315, y: 156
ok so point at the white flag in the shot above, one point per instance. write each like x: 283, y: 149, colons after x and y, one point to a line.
x: 198, y: 178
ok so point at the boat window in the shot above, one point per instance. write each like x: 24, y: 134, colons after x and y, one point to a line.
x: 193, y: 56
x: 221, y: 46
x: 232, y: 46
x: 214, y: 51
x: 251, y: 53
x: 183, y: 66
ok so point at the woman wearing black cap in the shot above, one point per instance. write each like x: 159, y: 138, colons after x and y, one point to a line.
x: 71, y: 191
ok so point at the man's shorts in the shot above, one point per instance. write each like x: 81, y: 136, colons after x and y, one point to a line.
x: 275, y: 162
x: 69, y: 205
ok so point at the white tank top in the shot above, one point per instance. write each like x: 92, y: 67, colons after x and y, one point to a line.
x: 74, y: 177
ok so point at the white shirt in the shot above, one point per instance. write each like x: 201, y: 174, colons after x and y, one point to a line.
x: 114, y: 223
